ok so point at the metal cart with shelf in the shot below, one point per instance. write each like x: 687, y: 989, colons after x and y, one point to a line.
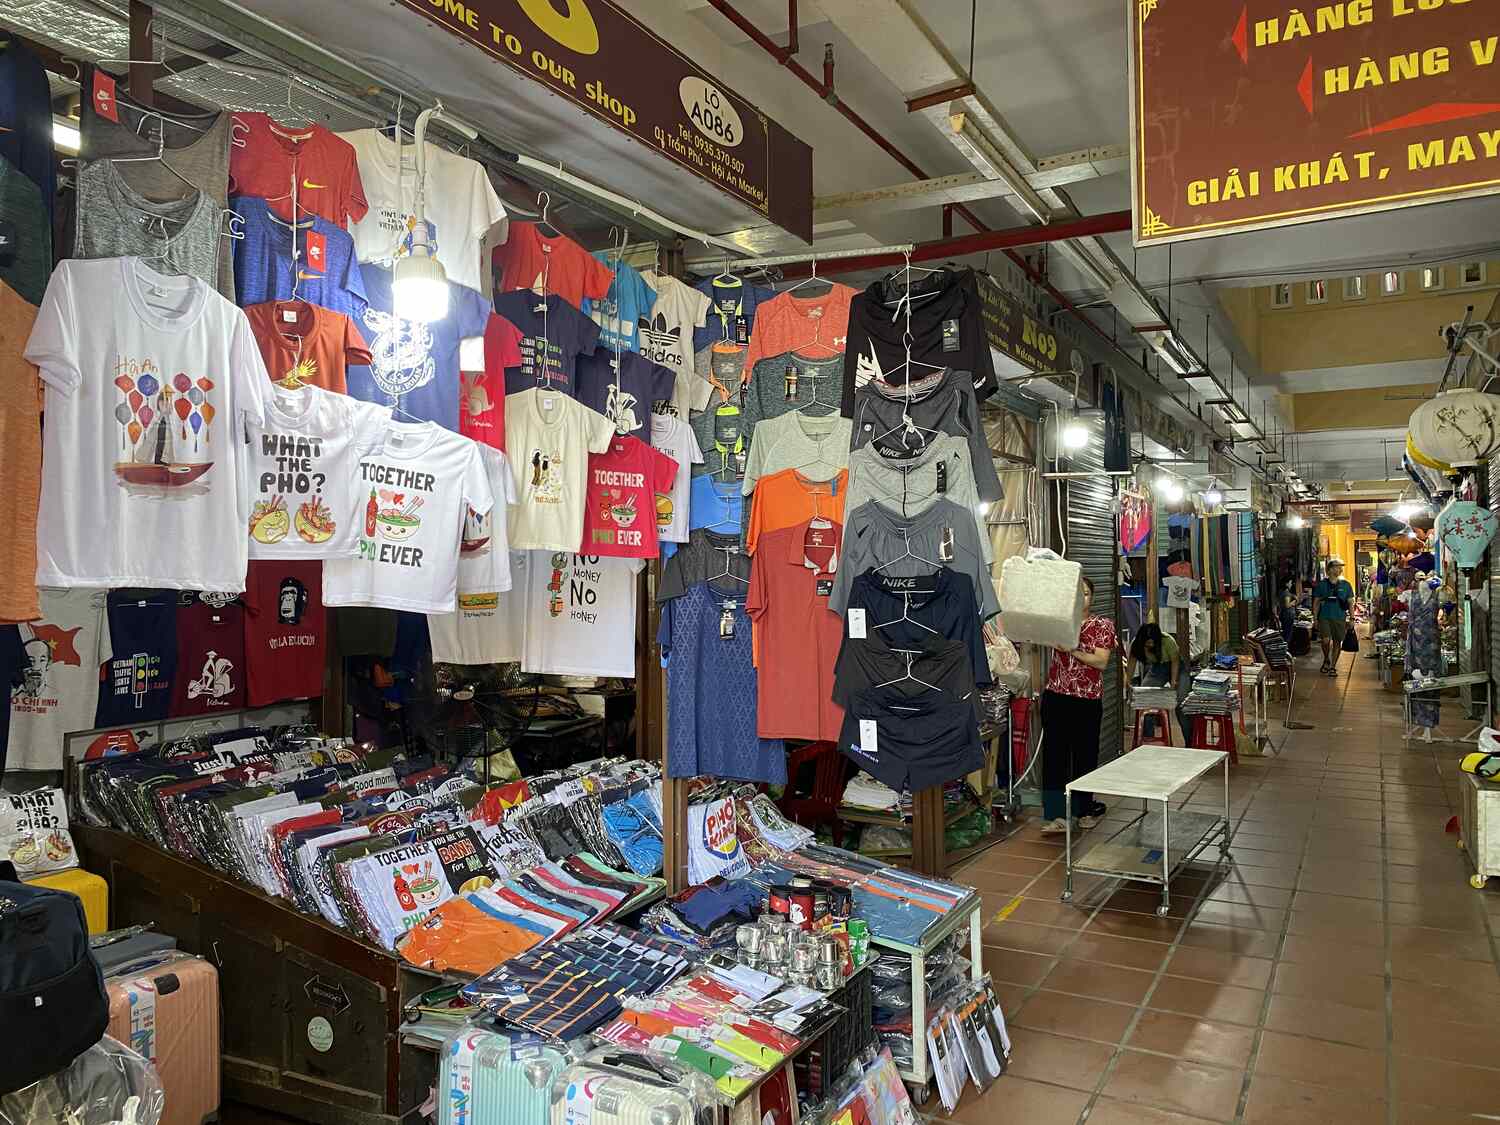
x: 1154, y: 846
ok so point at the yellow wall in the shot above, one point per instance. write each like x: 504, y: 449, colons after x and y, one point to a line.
x: 1353, y: 409
x: 1340, y: 541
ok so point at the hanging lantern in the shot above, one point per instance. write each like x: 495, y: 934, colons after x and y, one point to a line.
x: 1404, y: 544
x: 1386, y: 525
x: 1466, y: 530
x: 1459, y: 427
x: 1422, y: 521
x: 1417, y: 457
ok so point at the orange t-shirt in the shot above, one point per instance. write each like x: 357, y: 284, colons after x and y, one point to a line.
x: 788, y: 498
x: 20, y: 460
x: 458, y: 935
x: 330, y: 343
x: 813, y: 327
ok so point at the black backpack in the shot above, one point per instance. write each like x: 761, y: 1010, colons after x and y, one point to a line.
x: 52, y: 1000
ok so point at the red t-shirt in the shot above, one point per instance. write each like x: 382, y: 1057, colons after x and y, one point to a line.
x: 284, y: 630
x: 210, y: 658
x: 330, y: 343
x: 323, y: 163
x: 481, y: 405
x: 1070, y: 676
x: 619, y: 517
x: 531, y: 260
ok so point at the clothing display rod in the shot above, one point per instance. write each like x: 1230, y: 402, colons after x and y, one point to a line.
x: 818, y: 256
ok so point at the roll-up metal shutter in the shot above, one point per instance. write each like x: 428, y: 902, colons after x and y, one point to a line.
x: 1094, y: 543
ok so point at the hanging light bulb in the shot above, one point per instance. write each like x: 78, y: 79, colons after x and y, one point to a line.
x: 1404, y: 511
x: 1213, y: 497
x: 1174, y: 492
x: 1295, y: 522
x: 1075, y: 435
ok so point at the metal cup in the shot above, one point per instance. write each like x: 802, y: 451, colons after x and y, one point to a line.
x: 829, y: 977
x: 829, y: 951
x: 748, y: 937
x: 804, y: 958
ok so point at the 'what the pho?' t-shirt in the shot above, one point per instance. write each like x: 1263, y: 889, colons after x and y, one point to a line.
x: 412, y: 494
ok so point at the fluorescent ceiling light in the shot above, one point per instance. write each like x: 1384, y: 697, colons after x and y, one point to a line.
x: 65, y: 135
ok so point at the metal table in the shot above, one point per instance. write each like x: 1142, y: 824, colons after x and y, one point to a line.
x: 1154, y: 846
x: 1410, y: 688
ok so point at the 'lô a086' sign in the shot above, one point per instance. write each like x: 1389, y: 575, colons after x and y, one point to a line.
x: 598, y: 57
x: 1258, y: 113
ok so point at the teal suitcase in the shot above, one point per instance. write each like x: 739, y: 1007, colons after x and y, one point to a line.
x: 491, y: 1078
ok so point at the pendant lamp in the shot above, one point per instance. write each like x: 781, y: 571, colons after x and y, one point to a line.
x: 1466, y: 530
x: 1460, y: 427
x: 1417, y: 457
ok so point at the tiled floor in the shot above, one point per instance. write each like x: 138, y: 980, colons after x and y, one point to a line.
x: 1341, y: 971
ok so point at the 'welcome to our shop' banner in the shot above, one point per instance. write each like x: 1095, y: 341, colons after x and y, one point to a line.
x: 598, y: 57
x: 1257, y: 114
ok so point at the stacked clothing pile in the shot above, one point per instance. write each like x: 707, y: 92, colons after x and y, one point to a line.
x: 867, y: 793
x: 1211, y: 695
x: 1153, y: 698
x: 704, y: 918
x: 1273, y: 644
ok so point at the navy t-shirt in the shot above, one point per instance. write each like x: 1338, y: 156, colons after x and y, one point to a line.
x: 26, y: 119
x: 641, y: 383
x: 135, y: 684
x: 414, y: 363
x: 731, y: 312
x: 549, y: 326
x: 264, y: 270
x: 12, y: 660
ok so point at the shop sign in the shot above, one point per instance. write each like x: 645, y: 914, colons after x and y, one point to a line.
x: 1014, y: 330
x: 1247, y: 114
x: 600, y: 58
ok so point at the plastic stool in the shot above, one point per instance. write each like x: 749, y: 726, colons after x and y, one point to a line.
x: 1215, y: 732
x: 1163, y: 739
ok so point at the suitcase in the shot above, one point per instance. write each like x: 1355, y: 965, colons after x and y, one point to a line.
x: 512, y: 1080
x: 93, y: 890
x: 614, y: 1087
x: 166, y: 1007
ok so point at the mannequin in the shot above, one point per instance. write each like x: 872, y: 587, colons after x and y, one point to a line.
x: 1424, y: 652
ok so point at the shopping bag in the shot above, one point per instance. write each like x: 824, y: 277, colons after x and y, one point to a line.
x: 1351, y: 640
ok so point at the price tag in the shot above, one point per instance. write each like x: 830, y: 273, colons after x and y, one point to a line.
x: 104, y: 97
x: 950, y: 336
x: 869, y: 738
x: 856, y: 624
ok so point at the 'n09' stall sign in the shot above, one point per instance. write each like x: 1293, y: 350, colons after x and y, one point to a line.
x: 1248, y: 114
x: 598, y: 57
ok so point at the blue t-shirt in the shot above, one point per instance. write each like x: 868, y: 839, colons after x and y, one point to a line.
x: 264, y: 270
x: 731, y: 312
x: 26, y: 119
x: 618, y: 315
x: 718, y: 505
x: 135, y: 684
x: 413, y: 363
x: 641, y: 383
x: 1330, y: 609
x: 548, y: 326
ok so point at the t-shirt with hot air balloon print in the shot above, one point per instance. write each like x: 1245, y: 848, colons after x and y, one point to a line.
x: 149, y: 381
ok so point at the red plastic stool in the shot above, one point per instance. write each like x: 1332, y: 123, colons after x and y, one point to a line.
x: 1162, y: 739
x: 1215, y: 732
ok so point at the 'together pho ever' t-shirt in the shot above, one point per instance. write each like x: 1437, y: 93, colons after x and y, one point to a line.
x: 412, y: 494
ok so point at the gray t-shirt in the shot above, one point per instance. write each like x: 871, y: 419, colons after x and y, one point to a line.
x: 772, y: 392
x: 816, y: 445
x: 944, y: 403
x: 909, y: 486
x: 942, y: 536
x: 199, y: 158
x: 706, y: 555
x: 26, y: 262
x: 115, y: 220
x: 723, y: 439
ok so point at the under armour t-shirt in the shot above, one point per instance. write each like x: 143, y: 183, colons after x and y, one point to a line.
x: 210, y: 657
x: 623, y: 387
x: 413, y: 363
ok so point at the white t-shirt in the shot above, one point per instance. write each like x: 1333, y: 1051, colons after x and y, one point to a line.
x: 460, y: 204
x: 484, y: 554
x: 302, y: 467
x: 580, y: 614
x: 59, y: 676
x: 549, y: 437
x: 412, y: 494
x: 150, y: 382
x: 487, y: 627
x: 668, y: 339
x: 675, y: 438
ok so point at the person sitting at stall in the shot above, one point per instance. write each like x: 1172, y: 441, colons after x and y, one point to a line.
x: 1072, y: 708
x: 1155, y: 662
x: 1332, y: 597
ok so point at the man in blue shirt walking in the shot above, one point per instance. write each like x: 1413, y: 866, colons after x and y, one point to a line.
x: 1332, y: 597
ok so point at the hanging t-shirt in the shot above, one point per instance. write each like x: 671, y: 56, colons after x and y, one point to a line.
x: 285, y: 631
x: 540, y: 263
x: 413, y: 494
x: 619, y: 313
x: 210, y: 657
x: 667, y: 337
x: 815, y: 445
x: 486, y: 627
x: 414, y: 363
x: 549, y: 327
x: 60, y: 660
x: 674, y: 437
x: 26, y: 258
x: 135, y: 683
x: 481, y: 406
x: 324, y: 270
x: 179, y: 235
x: 303, y: 343
x: 622, y: 387
x: 273, y: 156
x: 724, y: 438
x: 302, y: 465
x: 20, y: 458
x: 484, y: 553
x: 26, y: 119
x: 619, y: 519
x: 706, y: 556
x: 580, y: 615
x: 715, y: 504
x: 781, y: 384
x: 942, y: 536
x: 549, y: 438
x: 150, y: 383
x: 732, y: 304
x: 788, y: 498
x: 814, y: 327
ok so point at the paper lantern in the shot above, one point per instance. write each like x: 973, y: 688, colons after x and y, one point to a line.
x: 134, y: 430
x: 1386, y: 525
x: 145, y: 414
x: 1466, y: 530
x: 207, y: 410
x: 183, y: 408
x: 1461, y: 428
x: 124, y: 382
x: 1404, y: 544
x: 135, y: 398
x: 1417, y: 457
x: 1423, y: 522
x: 181, y: 383
x: 147, y: 385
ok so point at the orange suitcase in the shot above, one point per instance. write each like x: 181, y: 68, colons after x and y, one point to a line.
x: 166, y: 1006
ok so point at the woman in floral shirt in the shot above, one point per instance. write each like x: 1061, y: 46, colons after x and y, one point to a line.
x: 1071, y: 710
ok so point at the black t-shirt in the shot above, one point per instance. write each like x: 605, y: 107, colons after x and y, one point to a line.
x: 551, y: 325
x: 703, y: 556
x: 135, y: 684
x: 947, y: 330
x: 910, y: 738
x: 942, y: 601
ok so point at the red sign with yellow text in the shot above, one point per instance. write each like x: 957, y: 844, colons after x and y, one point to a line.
x: 1248, y: 114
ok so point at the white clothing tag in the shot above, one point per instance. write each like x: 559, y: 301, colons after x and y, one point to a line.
x: 549, y: 403
x: 856, y: 624
x: 869, y: 738
x: 289, y: 316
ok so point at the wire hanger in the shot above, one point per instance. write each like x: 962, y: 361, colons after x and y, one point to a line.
x: 293, y: 118
x: 907, y: 554
x: 159, y: 157
x: 811, y: 279
x: 729, y: 553
x: 544, y: 204
x: 906, y: 617
x: 725, y: 276
x: 911, y: 655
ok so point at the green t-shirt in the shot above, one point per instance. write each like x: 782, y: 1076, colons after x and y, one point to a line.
x: 25, y: 265
x: 1330, y: 608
